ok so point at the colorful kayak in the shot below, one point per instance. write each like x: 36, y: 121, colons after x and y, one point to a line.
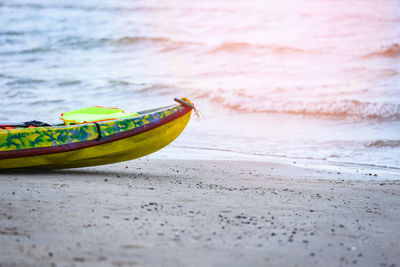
x: 93, y: 143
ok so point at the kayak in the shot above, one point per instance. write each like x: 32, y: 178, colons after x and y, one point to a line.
x: 73, y: 145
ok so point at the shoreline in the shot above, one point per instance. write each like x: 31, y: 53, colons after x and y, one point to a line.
x: 150, y: 212
x: 348, y: 171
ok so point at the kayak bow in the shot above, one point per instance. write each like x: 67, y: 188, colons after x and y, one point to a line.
x: 96, y: 143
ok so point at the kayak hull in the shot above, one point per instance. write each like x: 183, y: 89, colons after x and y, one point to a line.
x: 106, y: 149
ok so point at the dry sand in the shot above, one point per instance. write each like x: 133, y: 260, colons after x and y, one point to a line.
x: 198, y: 213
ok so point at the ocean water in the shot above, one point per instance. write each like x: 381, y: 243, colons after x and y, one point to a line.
x: 293, y: 79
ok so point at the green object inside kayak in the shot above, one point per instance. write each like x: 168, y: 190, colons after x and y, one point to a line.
x: 94, y: 114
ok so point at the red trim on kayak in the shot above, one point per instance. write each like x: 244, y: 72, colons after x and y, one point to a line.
x: 85, y: 144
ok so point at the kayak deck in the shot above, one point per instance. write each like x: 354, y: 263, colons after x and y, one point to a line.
x: 92, y: 144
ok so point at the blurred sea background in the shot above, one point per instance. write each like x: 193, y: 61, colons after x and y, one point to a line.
x: 316, y: 80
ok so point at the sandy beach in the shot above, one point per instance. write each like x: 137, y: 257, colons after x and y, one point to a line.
x: 153, y: 212
x: 293, y: 159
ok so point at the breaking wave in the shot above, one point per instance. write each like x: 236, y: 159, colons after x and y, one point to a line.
x: 82, y: 43
x: 384, y: 143
x: 241, y: 101
x: 134, y: 40
x: 241, y: 46
x: 387, y: 51
x: 94, y: 42
x: 77, y: 42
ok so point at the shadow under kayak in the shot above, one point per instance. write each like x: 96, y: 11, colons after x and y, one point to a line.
x: 97, y: 143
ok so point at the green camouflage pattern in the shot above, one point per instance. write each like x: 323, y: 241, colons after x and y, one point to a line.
x: 26, y: 138
x: 111, y: 127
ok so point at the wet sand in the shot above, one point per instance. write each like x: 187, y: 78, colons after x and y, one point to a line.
x: 198, y: 213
